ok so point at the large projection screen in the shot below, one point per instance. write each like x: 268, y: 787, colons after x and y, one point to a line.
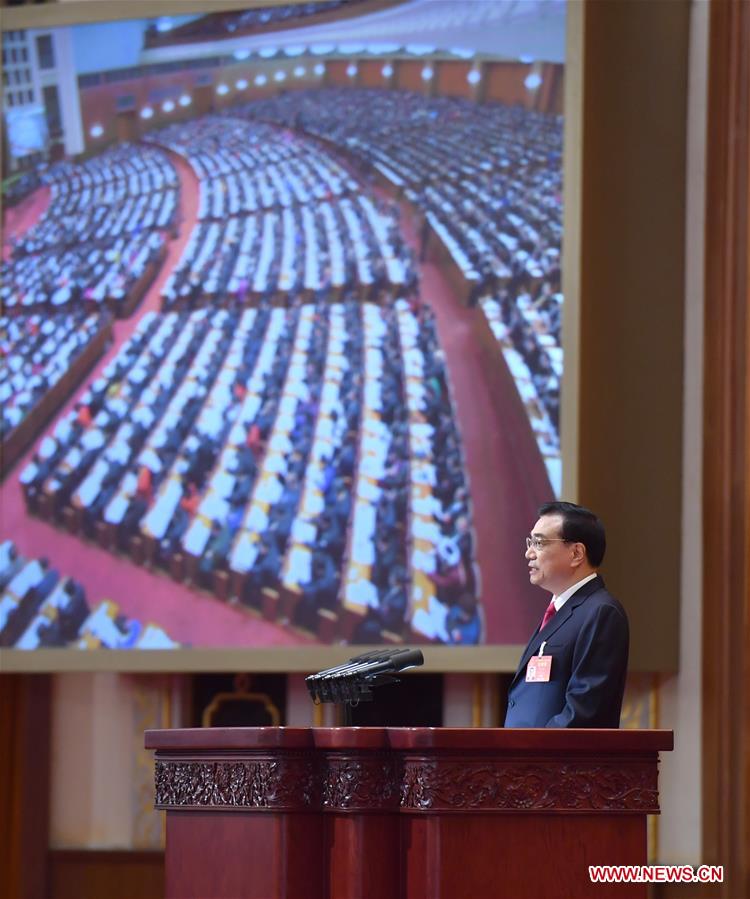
x: 287, y: 366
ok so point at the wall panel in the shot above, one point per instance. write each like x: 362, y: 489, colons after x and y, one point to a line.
x: 632, y: 307
x: 91, y: 874
x: 451, y: 79
x: 409, y: 76
x: 503, y: 83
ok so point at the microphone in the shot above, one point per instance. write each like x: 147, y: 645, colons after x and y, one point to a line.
x: 399, y: 661
x: 369, y: 662
x: 373, y: 655
x: 353, y: 680
x: 323, y: 677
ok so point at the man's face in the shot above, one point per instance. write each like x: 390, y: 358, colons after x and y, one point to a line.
x: 552, y: 566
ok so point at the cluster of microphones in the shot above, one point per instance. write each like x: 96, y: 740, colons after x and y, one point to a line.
x: 353, y: 681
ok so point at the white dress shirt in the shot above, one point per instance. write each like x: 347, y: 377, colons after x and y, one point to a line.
x: 560, y: 600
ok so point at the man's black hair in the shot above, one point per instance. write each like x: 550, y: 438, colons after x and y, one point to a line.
x: 579, y: 525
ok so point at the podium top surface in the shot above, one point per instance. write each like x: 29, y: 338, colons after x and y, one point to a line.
x: 511, y: 740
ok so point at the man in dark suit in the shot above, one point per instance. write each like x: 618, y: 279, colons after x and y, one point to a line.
x: 43, y: 589
x: 15, y: 564
x: 319, y: 592
x: 266, y: 568
x: 572, y: 672
x: 74, y: 612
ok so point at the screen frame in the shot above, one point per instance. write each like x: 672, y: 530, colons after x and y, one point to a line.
x: 487, y: 658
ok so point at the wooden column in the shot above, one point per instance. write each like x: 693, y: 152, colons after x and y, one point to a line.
x: 361, y: 801
x: 726, y: 472
x: 24, y: 784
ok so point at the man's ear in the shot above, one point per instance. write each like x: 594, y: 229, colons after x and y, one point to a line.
x: 579, y: 554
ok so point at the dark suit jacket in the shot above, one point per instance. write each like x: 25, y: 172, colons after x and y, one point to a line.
x: 47, y: 583
x: 588, y: 640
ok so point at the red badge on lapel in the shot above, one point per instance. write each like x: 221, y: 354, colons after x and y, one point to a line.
x: 539, y: 668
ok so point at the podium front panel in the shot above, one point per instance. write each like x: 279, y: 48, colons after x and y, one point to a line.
x: 403, y: 813
x: 245, y: 855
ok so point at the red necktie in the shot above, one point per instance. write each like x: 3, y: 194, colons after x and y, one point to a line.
x: 548, y: 614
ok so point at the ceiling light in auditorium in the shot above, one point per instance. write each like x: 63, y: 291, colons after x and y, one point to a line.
x: 241, y: 54
x: 268, y: 52
x: 462, y: 52
x: 419, y: 49
x: 280, y: 76
x: 319, y: 68
x: 260, y: 80
x: 322, y: 49
x: 381, y: 49
x: 147, y: 112
x: 526, y: 59
x: 185, y: 100
x: 474, y: 76
x: 299, y: 71
x: 96, y: 130
x: 241, y: 84
x: 427, y: 73
x: 294, y: 50
x: 168, y: 105
x: 164, y: 24
x: 351, y: 49
x: 351, y: 70
x: 533, y: 81
x: 387, y: 70
x: 222, y: 89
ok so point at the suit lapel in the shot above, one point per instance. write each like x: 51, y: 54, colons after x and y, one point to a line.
x: 557, y: 621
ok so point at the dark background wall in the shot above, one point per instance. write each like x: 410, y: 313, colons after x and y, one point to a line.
x: 632, y: 306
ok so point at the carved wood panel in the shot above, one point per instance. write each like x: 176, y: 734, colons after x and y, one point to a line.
x: 382, y: 781
x: 288, y: 782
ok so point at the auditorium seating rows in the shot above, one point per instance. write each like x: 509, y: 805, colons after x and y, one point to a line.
x: 41, y: 608
x: 36, y: 352
x: 277, y: 215
x: 102, y: 236
x: 234, y: 23
x: 488, y: 180
x: 224, y: 445
x: 520, y: 330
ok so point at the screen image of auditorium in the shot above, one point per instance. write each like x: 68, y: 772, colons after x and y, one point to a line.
x: 281, y: 325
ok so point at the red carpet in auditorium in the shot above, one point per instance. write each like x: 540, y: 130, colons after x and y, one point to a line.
x: 18, y: 219
x: 504, y: 503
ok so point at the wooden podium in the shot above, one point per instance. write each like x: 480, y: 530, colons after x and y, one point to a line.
x: 403, y: 813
